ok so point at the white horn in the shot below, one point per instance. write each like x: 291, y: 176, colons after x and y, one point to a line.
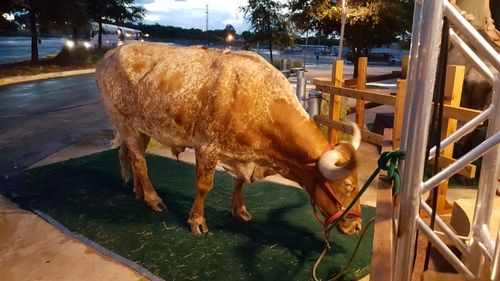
x: 328, y: 168
x: 356, y: 135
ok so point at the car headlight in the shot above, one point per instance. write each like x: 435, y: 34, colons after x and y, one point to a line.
x: 86, y: 45
x: 70, y: 44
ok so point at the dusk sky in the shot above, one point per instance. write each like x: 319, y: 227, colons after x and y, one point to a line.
x: 192, y: 13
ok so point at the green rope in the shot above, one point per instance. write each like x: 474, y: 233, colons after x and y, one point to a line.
x: 392, y: 158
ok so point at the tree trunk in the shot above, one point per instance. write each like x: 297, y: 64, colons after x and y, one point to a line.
x: 34, y: 37
x: 356, y: 58
x: 271, y: 50
x: 99, y: 36
x: 75, y: 35
x: 270, y: 42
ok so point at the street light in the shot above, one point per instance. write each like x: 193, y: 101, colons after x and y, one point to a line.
x: 229, y: 40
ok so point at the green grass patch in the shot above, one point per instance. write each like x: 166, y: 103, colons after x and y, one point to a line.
x: 282, y: 242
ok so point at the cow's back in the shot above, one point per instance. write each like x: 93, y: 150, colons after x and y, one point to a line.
x: 181, y: 96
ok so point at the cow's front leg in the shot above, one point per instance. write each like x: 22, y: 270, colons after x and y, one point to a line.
x: 206, y: 160
x: 239, y: 210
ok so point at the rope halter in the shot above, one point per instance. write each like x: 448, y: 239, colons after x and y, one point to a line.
x: 329, y: 221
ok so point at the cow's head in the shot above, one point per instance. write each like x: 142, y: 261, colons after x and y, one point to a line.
x: 337, y: 185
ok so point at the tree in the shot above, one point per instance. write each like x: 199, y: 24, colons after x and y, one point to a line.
x: 113, y: 11
x: 43, y: 14
x: 370, y: 23
x: 8, y: 26
x: 32, y: 8
x: 269, y: 23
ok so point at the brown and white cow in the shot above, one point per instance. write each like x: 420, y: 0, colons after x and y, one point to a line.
x: 232, y: 108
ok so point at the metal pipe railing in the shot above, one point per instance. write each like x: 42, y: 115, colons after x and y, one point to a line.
x: 488, y: 182
x: 463, y: 161
x: 425, y: 40
x: 483, y: 236
x: 471, y: 55
x: 495, y: 264
x: 314, y: 102
x: 482, y: 46
x: 462, y: 131
x: 446, y: 229
x: 422, y: 66
x: 444, y: 250
x: 301, y: 88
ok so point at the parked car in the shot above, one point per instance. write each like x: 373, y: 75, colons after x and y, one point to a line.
x: 377, y: 57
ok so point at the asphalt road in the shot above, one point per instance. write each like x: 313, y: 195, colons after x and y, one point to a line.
x: 19, y: 48
x: 40, y: 118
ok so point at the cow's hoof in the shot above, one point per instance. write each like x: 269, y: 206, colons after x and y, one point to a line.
x: 156, y: 204
x: 242, y: 214
x: 199, y: 228
x: 197, y: 224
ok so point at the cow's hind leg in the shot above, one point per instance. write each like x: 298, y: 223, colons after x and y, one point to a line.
x: 126, y: 170
x: 136, y: 144
x: 206, y: 160
x: 239, y: 210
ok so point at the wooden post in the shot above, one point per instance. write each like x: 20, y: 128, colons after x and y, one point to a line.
x: 335, y: 100
x: 382, y: 264
x: 452, y: 96
x: 398, y: 113
x: 361, y: 85
x: 404, y: 66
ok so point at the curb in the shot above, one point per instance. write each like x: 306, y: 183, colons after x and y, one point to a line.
x: 26, y: 78
x: 100, y: 249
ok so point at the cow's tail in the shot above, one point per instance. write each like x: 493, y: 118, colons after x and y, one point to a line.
x: 124, y: 157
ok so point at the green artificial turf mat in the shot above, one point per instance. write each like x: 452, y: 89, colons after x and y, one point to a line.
x: 282, y: 242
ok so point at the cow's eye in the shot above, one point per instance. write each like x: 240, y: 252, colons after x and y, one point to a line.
x: 348, y: 185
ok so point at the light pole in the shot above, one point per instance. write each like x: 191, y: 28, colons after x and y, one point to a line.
x: 342, y: 27
x: 206, y: 28
x: 305, y: 48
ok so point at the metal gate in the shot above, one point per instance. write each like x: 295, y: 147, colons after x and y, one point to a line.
x: 481, y: 249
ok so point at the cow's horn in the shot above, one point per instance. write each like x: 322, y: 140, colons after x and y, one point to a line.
x: 356, y: 136
x: 327, y: 163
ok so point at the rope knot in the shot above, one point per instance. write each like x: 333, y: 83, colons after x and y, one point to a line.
x: 388, y: 161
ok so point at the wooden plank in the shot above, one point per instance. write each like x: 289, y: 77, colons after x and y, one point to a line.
x: 322, y: 81
x: 451, y: 112
x: 366, y: 135
x: 335, y: 100
x: 381, y: 267
x: 373, y: 78
x: 459, y: 113
x: 357, y: 94
x: 398, y: 113
x: 452, y: 95
x: 361, y: 85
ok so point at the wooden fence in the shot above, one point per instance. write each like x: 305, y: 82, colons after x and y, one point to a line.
x: 383, y: 244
